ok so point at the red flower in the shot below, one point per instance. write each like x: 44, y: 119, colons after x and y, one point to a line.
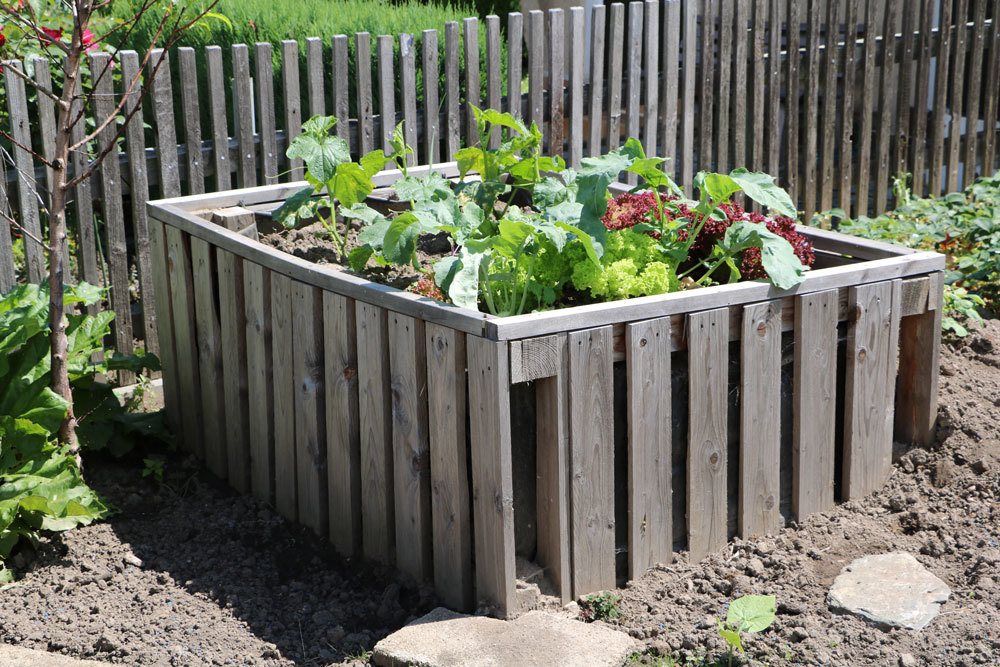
x: 52, y: 35
x: 88, y: 41
x: 3, y: 38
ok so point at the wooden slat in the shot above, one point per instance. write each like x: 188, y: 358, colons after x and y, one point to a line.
x: 260, y: 421
x: 217, y: 111
x: 650, y: 524
x: 315, y: 88
x: 596, y: 80
x: 165, y: 332
x: 408, y: 92
x: 375, y: 403
x: 343, y: 434
x: 493, y: 71
x: 707, y: 76
x: 86, y: 241
x: 708, y: 384
x: 651, y: 62
x: 847, y: 107
x: 515, y: 52
x: 191, y: 119
x: 20, y: 130
x: 888, y: 105
x: 689, y: 39
x: 815, y: 403
x: 592, y: 478
x: 992, y: 95
x: 919, y: 116
x: 451, y: 91
x: 917, y: 385
x: 738, y: 105
x: 232, y: 321
x: 8, y: 273
x: 760, y: 420
x: 867, y: 445
x: 576, y: 84
x: 615, y: 70
x: 670, y: 63
x: 557, y: 78
x: 285, y: 501
x: 310, y: 412
x: 166, y: 135
x: 792, y: 125
x: 869, y: 100
x: 243, y: 101
x: 363, y: 72
x: 811, y: 112
x: 829, y: 120
x: 633, y: 89
x: 341, y: 70
x: 432, y: 117
x: 292, y: 99
x: 411, y: 455
x: 450, y: 499
x: 758, y: 87
x: 907, y: 74
x: 723, y: 110
x: 187, y: 343
x: 536, y: 68
x: 976, y: 91
x: 46, y: 122
x: 492, y: 476
x: 105, y: 102
x: 774, y: 70
x: 386, y: 89
x: 267, y: 126
x: 940, y: 110
x: 956, y: 100
x: 470, y: 43
x: 209, y: 348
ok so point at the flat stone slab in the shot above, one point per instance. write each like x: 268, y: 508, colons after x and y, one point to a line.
x: 444, y: 638
x: 889, y: 590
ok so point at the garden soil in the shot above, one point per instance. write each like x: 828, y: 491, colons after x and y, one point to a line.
x: 187, y: 573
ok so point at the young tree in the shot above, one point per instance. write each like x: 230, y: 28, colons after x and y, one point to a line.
x: 64, y: 32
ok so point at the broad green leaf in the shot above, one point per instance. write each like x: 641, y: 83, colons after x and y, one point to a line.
x: 288, y: 214
x: 464, y: 287
x: 761, y: 188
x: 322, y: 154
x: 586, y: 240
x: 351, y: 185
x: 358, y: 257
x: 469, y: 159
x: 400, y: 242
x: 319, y: 125
x: 732, y: 639
x: 751, y: 613
x: 499, y: 118
x: 432, y: 187
x: 720, y: 187
x: 373, y: 162
x: 362, y: 212
x: 374, y: 233
x: 777, y: 255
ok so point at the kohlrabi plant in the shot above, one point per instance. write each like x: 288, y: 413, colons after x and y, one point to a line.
x: 747, y: 615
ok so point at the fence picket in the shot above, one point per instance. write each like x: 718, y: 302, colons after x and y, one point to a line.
x: 340, y: 68
x: 470, y: 41
x: 493, y: 85
x: 243, y: 101
x: 707, y: 85
x: 941, y: 101
x: 386, y: 90
x: 869, y: 99
x: 292, y: 100
x: 958, y: 58
x: 596, y: 81
x: 217, y: 111
x: 191, y: 119
x: 576, y: 84
x: 408, y: 93
x: 8, y: 272
x: 792, y: 124
x: 267, y: 126
x: 810, y: 129
x: 557, y: 79
x: 536, y: 68
x: 918, y: 120
x: 976, y: 92
x: 774, y: 70
x: 315, y: 87
x: 515, y: 49
x: 741, y: 128
x: 847, y: 109
x: 992, y: 96
x: 670, y: 55
x: 690, y: 91
x: 432, y: 117
x: 28, y: 189
x: 723, y: 109
x: 633, y: 86
x: 829, y: 118
x: 615, y: 75
x: 888, y: 104
x: 452, y: 122
x: 758, y: 88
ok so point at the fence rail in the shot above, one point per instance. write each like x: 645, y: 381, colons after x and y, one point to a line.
x: 835, y: 97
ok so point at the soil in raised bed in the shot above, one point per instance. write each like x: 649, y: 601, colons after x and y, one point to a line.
x: 189, y: 573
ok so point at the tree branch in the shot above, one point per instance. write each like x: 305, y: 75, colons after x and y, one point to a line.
x: 28, y: 149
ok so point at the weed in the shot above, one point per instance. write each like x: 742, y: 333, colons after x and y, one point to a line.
x: 746, y: 615
x: 600, y: 607
x: 152, y: 466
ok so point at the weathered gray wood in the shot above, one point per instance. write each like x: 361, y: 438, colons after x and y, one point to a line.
x: 956, y: 98
x: 940, y: 110
x: 27, y: 187
x: 868, y: 101
x: 450, y: 499
x: 650, y: 525
x: 515, y: 52
x: 191, y: 119
x: 208, y: 347
x: 815, y: 403
x: 375, y: 403
x: 992, y: 95
x: 723, y: 110
x: 557, y: 78
x: 408, y: 93
x: 432, y: 116
x: 811, y: 112
x: 707, y: 76
x: 8, y: 272
x: 760, y: 420
x: 343, y: 434
x: 217, y: 111
x: 920, y: 111
x: 829, y: 120
x: 411, y: 454
x: 847, y: 107
x: 634, y: 81
x: 452, y: 90
x: 340, y: 69
x: 596, y: 80
x: 867, y: 444
x: 164, y: 323
x: 917, y: 385
x: 260, y: 421
x: 774, y: 70
x: 492, y: 477
x: 536, y: 358
x: 493, y: 71
x: 708, y: 385
x: 232, y: 321
x: 310, y: 412
x: 267, y: 126
x: 670, y: 64
x: 315, y: 88
x: 363, y: 64
x: 591, y: 431
x: 792, y: 126
x: 84, y: 206
x: 738, y: 106
x: 46, y: 122
x: 470, y: 43
x: 536, y: 68
x: 690, y: 91
x: 576, y: 83
x: 386, y: 89
x: 292, y: 99
x: 888, y: 105
x: 615, y: 71
x: 651, y: 63
x: 243, y: 101
x: 758, y: 87
x: 285, y: 501
x: 976, y: 91
x: 907, y: 73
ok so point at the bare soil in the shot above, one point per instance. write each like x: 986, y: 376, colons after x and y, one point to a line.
x: 188, y: 573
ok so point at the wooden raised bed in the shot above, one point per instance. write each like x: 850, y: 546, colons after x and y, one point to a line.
x: 366, y: 413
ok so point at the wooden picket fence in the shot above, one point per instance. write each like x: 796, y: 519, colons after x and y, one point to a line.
x: 856, y: 92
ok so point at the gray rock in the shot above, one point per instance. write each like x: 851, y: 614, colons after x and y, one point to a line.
x: 889, y: 590
x: 907, y: 660
x: 444, y: 638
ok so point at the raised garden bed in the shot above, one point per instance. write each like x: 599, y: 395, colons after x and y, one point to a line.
x: 383, y: 419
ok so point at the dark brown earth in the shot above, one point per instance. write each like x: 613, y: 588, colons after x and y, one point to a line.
x: 187, y: 573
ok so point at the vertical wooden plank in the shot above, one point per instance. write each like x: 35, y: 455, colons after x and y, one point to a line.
x: 243, y: 100
x: 939, y: 115
x: 774, y: 70
x: 650, y: 523
x: 450, y: 498
x: 20, y: 130
x: 829, y: 122
x: 975, y: 93
x: 917, y: 385
x: 536, y: 68
x: 386, y: 89
x: 867, y: 444
x: 217, y: 111
x: 888, y: 105
x: 918, y: 120
x: 957, y: 95
x: 492, y: 476
x: 670, y: 64
x: 515, y: 51
x: 597, y: 55
x: 451, y: 91
x: 411, y: 455
x: 708, y: 387
x: 8, y: 273
x: 810, y: 128
x: 232, y: 320
x: 267, y: 127
x: 470, y: 41
x: 105, y: 103
x: 759, y: 100
x: 690, y: 37
x: 557, y: 78
x: 310, y: 412
x: 907, y: 72
x: 738, y: 107
x: 292, y: 100
x: 375, y: 410
x: 191, y: 118
x: 615, y: 70
x: 814, y: 403
x: 315, y: 88
x: 493, y: 100
x: 633, y: 88
x: 592, y: 477
x: 847, y: 107
x: 341, y: 70
x: 208, y: 346
x: 46, y: 121
x: 408, y: 92
x: 84, y: 207
x: 868, y: 101
x: 363, y: 63
x: 651, y: 89
x: 166, y: 135
x: 432, y: 116
x: 576, y: 83
x: 260, y: 422
x: 343, y: 429
x: 285, y: 501
x: 723, y: 137
x: 707, y: 76
x: 992, y: 97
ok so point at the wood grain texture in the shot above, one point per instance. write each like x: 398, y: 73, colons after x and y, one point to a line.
x: 386, y: 89
x: 758, y: 86
x: 669, y: 107
x: 340, y: 68
x: 760, y: 420
x: 492, y: 481
x: 723, y: 138
x: 408, y: 93
x: 267, y: 125
x: 163, y: 114
x: 917, y: 384
x: 650, y: 527
x: 172, y: 401
x: 343, y: 428
x: 285, y: 499
x: 707, y: 76
x: 651, y: 83
x: 597, y: 25
x: 689, y: 40
x: 576, y: 87
x: 557, y: 79
x: 814, y: 408
x: 208, y: 344
x: 450, y: 498
x: 292, y: 99
x: 992, y: 95
x: 232, y: 328
x: 792, y: 125
x: 246, y: 162
x: 88, y: 268
x: 182, y: 307
x: 191, y: 119
x: 8, y: 272
x: 811, y: 112
x: 432, y: 116
x: 708, y: 385
x: 939, y: 114
x: 260, y: 386
x: 375, y: 404
x: 829, y: 121
x: 868, y: 102
x: 615, y: 70
x: 315, y: 87
x: 888, y: 105
x: 957, y: 95
x: 452, y: 90
x: 741, y: 128
x: 363, y: 82
x: 310, y: 412
x: 219, y: 125
x: 918, y: 121
x: 633, y: 82
x: 774, y: 72
x: 536, y: 358
x: 493, y: 86
x: 976, y: 91
x: 20, y: 131
x: 536, y: 68
x: 592, y: 479
x: 470, y: 43
x: 515, y: 54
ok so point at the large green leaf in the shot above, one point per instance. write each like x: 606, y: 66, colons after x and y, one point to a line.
x: 751, y: 613
x: 351, y: 185
x: 294, y: 208
x: 777, y: 255
x: 400, y: 241
x: 321, y: 153
x: 463, y: 287
x: 761, y: 188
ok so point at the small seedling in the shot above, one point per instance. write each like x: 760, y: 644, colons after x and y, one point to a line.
x: 748, y: 614
x: 153, y: 467
x: 600, y: 607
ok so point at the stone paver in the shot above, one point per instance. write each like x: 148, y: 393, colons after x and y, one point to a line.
x: 444, y: 638
x: 889, y: 590
x: 15, y: 656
